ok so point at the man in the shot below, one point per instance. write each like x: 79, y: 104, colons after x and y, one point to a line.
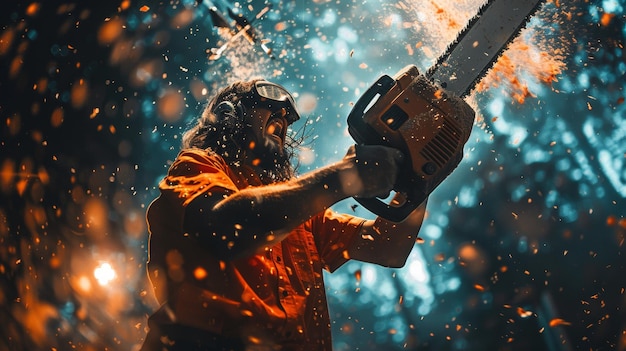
x: 238, y: 243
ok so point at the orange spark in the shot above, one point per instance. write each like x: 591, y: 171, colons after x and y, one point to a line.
x: 523, y: 313
x: 57, y: 117
x: 32, y: 9
x: 200, y: 273
x: 606, y: 19
x: 125, y: 5
x: 611, y: 220
x: 280, y: 26
x: 558, y: 321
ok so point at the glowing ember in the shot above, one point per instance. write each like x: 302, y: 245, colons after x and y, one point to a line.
x: 558, y: 321
x: 110, y: 31
x: 83, y: 284
x: 171, y: 105
x: 200, y: 273
x: 524, y: 313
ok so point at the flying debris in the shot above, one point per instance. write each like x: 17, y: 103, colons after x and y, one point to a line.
x: 236, y: 25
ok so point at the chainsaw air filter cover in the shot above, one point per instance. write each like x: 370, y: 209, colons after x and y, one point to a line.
x: 422, y: 120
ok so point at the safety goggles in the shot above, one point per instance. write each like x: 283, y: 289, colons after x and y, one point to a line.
x: 273, y: 97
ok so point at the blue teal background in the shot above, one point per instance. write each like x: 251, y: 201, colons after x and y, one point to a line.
x: 523, y: 244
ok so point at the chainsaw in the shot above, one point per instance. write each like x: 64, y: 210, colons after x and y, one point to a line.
x: 425, y: 115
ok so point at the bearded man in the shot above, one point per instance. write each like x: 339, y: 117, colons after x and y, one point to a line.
x: 238, y: 242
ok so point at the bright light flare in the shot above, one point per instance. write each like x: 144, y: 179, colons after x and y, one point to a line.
x: 104, y: 273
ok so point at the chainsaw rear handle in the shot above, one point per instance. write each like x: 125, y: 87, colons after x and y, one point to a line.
x: 364, y: 134
x: 388, y: 211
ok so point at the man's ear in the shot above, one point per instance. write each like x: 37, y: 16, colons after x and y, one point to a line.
x: 230, y: 115
x: 225, y: 109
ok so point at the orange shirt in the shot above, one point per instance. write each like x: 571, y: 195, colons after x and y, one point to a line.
x: 276, y: 297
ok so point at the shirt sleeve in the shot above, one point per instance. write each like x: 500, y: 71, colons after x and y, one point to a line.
x: 334, y: 233
x: 195, y: 172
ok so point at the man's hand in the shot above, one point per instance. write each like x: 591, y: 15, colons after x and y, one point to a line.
x: 373, y: 171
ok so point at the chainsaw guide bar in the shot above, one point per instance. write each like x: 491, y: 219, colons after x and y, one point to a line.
x: 479, y: 45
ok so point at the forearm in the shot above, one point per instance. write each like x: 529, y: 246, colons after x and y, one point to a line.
x: 388, y: 243
x: 283, y: 206
x: 256, y: 217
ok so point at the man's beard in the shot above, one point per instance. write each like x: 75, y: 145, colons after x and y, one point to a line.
x: 275, y: 164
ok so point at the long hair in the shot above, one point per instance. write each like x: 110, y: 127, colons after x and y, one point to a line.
x: 227, y: 135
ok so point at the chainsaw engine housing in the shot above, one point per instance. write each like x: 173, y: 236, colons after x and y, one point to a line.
x: 429, y: 125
